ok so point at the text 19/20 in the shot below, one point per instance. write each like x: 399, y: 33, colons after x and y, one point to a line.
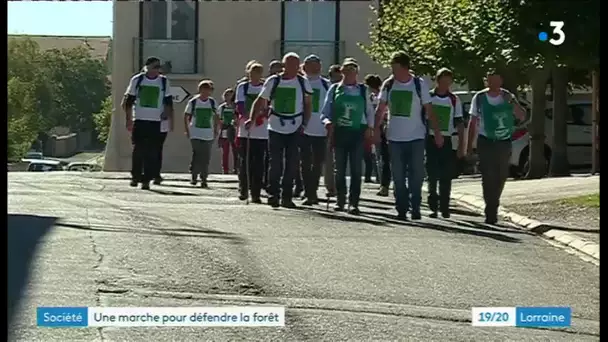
x: 493, y: 317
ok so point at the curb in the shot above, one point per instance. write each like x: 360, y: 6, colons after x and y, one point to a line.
x: 545, y: 230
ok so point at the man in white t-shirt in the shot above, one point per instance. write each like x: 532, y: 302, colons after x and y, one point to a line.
x: 147, y: 101
x: 201, y: 125
x: 493, y: 110
x: 313, y: 143
x: 440, y: 161
x: 406, y: 96
x: 290, y: 97
x: 252, y: 141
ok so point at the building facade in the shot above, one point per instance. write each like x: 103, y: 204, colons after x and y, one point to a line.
x: 215, y: 39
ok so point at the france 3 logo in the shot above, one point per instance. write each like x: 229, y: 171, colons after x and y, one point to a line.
x: 558, y: 33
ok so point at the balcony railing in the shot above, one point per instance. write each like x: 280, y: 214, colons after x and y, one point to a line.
x: 178, y: 56
x: 330, y: 51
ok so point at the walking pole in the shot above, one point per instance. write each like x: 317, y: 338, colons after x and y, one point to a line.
x: 247, y: 171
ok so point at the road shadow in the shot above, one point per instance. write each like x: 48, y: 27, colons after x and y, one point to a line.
x: 25, y: 233
x: 174, y: 232
x: 545, y: 227
x: 171, y: 193
x: 498, y: 227
x: 344, y: 217
x: 452, y: 226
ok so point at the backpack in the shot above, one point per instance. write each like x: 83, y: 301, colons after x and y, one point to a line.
x: 140, y: 78
x: 193, y: 104
x: 417, y: 85
x: 478, y: 104
x: 325, y: 83
x: 246, y: 85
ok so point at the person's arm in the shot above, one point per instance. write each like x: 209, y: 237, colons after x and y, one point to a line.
x: 328, y: 106
x: 129, y: 99
x: 307, y: 102
x: 216, y: 125
x: 168, y: 105
x: 519, y: 112
x: 262, y: 100
x: 428, y: 108
x: 240, y: 100
x: 459, y: 125
x: 382, y: 105
x: 187, y: 117
x: 369, y: 110
x: 474, y: 111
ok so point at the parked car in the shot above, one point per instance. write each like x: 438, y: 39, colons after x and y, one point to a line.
x: 33, y: 155
x: 44, y: 165
x: 579, y: 119
x: 80, y: 166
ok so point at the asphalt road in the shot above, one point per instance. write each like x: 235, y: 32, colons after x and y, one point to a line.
x: 90, y: 240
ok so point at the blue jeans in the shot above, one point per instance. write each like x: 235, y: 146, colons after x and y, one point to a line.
x: 407, y: 165
x: 348, y: 151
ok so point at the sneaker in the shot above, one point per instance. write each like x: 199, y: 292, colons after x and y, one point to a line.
x: 145, y: 186
x: 297, y: 193
x: 193, y: 182
x: 402, y: 216
x: 433, y: 214
x: 445, y: 214
x: 288, y: 204
x: 330, y: 193
x: 243, y: 197
x: 354, y: 211
x: 273, y: 202
x: 339, y: 208
x: 491, y: 220
x: 308, y: 202
x: 256, y: 200
x: 204, y: 185
x: 383, y: 192
x: 416, y: 216
x: 367, y: 180
x: 134, y: 183
x: 158, y: 180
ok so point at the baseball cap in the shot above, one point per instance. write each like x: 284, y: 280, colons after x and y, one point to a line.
x: 350, y: 62
x: 312, y: 58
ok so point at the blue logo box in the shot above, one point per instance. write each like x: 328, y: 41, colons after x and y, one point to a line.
x: 62, y: 317
x: 543, y: 317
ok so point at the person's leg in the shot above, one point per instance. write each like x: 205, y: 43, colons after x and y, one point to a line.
x: 399, y: 173
x: 306, y: 155
x: 503, y: 155
x: 367, y: 160
x: 415, y: 172
x: 292, y: 162
x: 355, y: 160
x: 447, y: 162
x: 152, y: 138
x: 257, y: 151
x: 297, y: 176
x: 329, y: 172
x: 318, y: 157
x: 163, y: 136
x: 341, y: 155
x: 488, y: 176
x: 205, y: 160
x: 243, y: 185
x: 385, y: 178
x: 137, y: 162
x: 433, y: 167
x: 195, y: 164
x: 276, y: 146
x: 235, y: 156
x: 225, y: 145
x: 266, y: 178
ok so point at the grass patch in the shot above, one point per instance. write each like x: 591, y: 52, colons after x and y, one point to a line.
x: 590, y: 201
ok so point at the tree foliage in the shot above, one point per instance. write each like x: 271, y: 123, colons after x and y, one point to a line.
x: 103, y: 120
x: 64, y: 88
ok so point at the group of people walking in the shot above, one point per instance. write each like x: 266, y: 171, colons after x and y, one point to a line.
x: 294, y: 125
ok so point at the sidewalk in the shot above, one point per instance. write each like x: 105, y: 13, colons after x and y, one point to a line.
x: 538, y: 205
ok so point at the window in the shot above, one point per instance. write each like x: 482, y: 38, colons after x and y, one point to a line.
x: 169, y: 32
x: 310, y: 27
x: 579, y: 115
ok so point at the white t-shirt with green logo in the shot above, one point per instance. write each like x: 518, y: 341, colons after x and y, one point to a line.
x: 315, y: 127
x: 476, y: 112
x: 404, y: 110
x: 201, y: 124
x: 255, y: 132
x: 149, y: 97
x: 446, y: 113
x: 288, y: 100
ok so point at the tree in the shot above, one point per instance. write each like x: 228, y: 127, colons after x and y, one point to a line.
x: 23, y: 117
x: 103, y: 120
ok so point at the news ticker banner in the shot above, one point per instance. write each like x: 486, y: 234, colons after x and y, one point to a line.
x: 224, y: 316
x: 537, y: 317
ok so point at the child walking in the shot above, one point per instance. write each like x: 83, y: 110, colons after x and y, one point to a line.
x: 201, y: 125
x: 226, y: 140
